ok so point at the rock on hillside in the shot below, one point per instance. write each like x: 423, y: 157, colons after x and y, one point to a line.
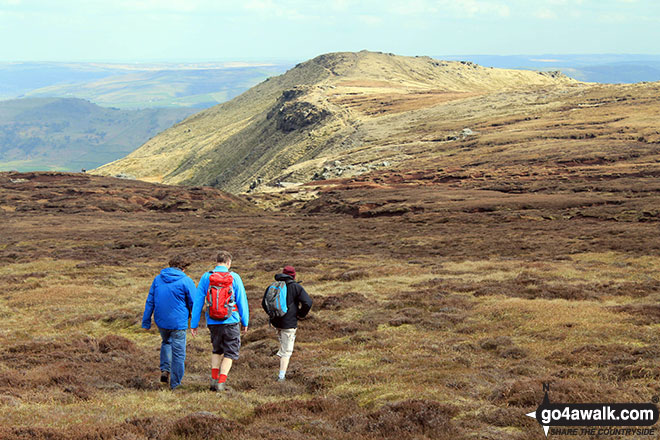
x: 75, y: 192
x: 287, y: 128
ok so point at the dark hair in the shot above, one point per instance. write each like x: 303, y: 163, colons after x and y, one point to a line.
x: 223, y: 257
x: 180, y: 261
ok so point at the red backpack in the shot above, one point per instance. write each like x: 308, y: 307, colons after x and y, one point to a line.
x: 220, y: 296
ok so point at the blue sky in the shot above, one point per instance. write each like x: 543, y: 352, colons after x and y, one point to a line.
x: 216, y: 30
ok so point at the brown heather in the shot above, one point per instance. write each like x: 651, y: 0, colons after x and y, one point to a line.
x: 449, y: 285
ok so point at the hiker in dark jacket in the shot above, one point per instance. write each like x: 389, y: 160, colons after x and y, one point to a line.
x: 298, y: 305
x: 170, y: 301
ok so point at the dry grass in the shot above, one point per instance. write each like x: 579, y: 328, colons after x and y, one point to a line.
x: 426, y: 325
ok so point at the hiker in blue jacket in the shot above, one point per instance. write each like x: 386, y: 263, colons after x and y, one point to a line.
x: 226, y: 333
x: 170, y: 301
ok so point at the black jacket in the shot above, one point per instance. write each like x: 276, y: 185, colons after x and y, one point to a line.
x: 298, y: 303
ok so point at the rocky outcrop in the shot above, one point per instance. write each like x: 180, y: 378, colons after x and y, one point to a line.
x: 336, y: 169
x: 296, y: 115
x: 291, y: 115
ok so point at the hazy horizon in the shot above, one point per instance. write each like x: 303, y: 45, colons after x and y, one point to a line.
x: 238, y: 62
x: 191, y: 30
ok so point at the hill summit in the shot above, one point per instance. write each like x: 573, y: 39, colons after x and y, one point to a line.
x: 289, y: 127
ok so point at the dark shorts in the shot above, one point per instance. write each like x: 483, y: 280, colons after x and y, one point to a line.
x: 226, y: 339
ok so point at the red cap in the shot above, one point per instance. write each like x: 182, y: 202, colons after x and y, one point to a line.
x: 289, y: 270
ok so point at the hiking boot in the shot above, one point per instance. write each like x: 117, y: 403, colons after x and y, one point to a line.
x: 281, y: 379
x: 214, y: 385
x: 222, y: 386
x: 164, y: 376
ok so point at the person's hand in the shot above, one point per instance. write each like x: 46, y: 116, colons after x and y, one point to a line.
x: 193, y: 332
x: 245, y: 329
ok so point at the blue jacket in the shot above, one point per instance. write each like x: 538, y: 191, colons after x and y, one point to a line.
x: 170, y: 300
x: 243, y: 313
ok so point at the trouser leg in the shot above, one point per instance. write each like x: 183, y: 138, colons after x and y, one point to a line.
x: 165, y: 350
x: 284, y: 363
x: 287, y: 338
x: 178, y: 357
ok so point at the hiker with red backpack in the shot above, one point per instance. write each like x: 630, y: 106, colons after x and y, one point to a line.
x: 223, y: 296
x: 285, y: 301
x: 170, y: 301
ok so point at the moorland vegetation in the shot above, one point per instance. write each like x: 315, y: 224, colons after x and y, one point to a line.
x: 500, y: 239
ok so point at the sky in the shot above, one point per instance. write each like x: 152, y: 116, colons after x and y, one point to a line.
x: 251, y: 30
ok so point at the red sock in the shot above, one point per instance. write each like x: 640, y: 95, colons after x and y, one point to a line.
x: 215, y: 372
x: 222, y: 378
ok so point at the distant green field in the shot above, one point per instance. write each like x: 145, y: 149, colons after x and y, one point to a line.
x: 30, y: 165
x: 72, y: 134
x: 170, y: 87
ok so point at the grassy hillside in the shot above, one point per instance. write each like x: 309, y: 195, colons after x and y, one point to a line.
x: 286, y: 127
x: 70, y: 134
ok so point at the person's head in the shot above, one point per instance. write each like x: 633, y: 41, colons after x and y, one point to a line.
x: 289, y: 270
x: 180, y: 261
x: 224, y: 259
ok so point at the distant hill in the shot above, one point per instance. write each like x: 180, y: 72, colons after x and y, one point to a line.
x: 600, y: 68
x: 288, y: 127
x: 133, y: 86
x: 70, y: 134
x: 17, y: 79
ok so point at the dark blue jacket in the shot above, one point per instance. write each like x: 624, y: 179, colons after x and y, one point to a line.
x: 170, y: 300
x: 298, y: 303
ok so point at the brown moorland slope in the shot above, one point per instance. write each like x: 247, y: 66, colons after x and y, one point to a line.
x: 74, y: 192
x: 602, y: 142
x: 288, y: 127
x: 442, y: 302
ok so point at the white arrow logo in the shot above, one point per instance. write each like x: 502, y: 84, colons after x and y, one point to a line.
x: 546, y: 428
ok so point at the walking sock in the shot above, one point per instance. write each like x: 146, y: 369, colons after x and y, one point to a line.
x: 222, y: 378
x: 282, y: 375
x: 215, y: 372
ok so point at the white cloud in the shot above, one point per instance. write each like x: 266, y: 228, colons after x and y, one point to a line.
x: 461, y: 8
x: 259, y: 5
x: 278, y: 9
x: 612, y: 18
x: 472, y: 8
x: 154, y: 6
x: 411, y: 7
x: 566, y: 2
x: 370, y: 20
x: 545, y: 14
x: 339, y: 5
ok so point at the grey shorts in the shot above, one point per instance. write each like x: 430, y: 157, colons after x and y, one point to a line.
x: 287, y: 337
x: 226, y: 339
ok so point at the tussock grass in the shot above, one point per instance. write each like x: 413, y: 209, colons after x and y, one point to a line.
x: 460, y: 324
